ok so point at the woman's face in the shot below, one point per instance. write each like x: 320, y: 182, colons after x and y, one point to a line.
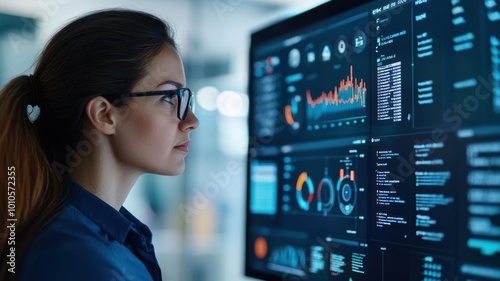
x: 149, y: 137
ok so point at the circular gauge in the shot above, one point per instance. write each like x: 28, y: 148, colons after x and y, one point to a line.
x: 341, y: 47
x: 346, y: 193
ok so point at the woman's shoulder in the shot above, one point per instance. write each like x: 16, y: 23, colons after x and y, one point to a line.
x: 72, y: 246
x: 70, y: 228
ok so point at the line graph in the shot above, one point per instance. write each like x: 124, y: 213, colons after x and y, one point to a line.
x: 347, y: 100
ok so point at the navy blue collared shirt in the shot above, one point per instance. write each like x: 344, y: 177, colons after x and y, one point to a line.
x: 90, y: 240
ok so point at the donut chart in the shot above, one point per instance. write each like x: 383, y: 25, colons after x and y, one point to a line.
x: 304, y: 179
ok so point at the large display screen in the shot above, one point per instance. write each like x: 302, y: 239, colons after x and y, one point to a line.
x: 374, y: 149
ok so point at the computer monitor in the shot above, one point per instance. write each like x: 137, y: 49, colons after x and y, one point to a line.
x: 374, y: 143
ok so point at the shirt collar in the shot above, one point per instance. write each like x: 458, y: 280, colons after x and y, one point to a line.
x: 116, y: 224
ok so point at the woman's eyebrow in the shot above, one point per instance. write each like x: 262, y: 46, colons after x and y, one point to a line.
x: 171, y: 82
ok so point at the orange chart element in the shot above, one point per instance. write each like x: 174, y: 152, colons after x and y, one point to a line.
x: 288, y: 115
x: 260, y: 247
x: 351, y: 174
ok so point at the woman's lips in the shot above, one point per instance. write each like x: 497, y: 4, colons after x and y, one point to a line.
x: 183, y: 146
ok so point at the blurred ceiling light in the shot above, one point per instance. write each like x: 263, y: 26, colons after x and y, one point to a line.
x: 232, y: 104
x: 207, y: 98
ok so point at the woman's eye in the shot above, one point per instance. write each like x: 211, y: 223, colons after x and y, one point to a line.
x: 169, y: 99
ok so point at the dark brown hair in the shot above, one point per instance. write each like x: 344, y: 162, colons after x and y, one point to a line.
x: 101, y: 53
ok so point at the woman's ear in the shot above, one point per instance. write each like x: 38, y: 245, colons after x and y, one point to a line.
x: 102, y: 115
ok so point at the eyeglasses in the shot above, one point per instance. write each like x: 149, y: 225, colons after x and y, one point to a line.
x: 184, y: 99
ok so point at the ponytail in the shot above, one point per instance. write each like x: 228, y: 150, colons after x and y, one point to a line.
x: 31, y: 193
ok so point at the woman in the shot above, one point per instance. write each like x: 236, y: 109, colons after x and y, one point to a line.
x: 107, y: 102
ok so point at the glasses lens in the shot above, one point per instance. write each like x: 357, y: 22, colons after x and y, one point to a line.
x: 185, y: 95
x: 191, y: 102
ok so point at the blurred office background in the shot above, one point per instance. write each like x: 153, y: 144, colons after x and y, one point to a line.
x: 197, y: 218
